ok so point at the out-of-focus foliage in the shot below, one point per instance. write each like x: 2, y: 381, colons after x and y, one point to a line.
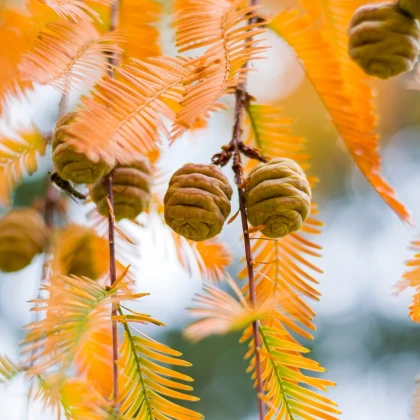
x: 17, y: 156
x: 341, y: 85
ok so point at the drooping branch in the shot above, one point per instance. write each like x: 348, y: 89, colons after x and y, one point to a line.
x: 234, y: 150
x: 241, y: 99
x: 111, y: 227
x: 113, y: 277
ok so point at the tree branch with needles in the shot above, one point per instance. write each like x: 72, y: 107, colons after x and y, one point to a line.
x: 111, y: 228
x: 233, y: 151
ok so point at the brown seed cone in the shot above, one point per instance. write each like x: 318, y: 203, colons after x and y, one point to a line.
x: 412, y: 7
x: 132, y: 190
x: 197, y: 202
x: 23, y: 234
x: 80, y: 251
x: 72, y: 165
x: 278, y: 196
x: 383, y: 40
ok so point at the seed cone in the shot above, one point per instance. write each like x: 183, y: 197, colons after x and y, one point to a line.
x: 72, y: 165
x: 278, y: 196
x: 132, y: 190
x: 412, y: 7
x: 197, y: 202
x: 23, y: 234
x: 80, y: 251
x: 383, y: 40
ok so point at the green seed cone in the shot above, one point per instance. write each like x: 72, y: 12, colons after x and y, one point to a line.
x: 197, y: 202
x: 132, y: 190
x: 383, y: 40
x: 278, y: 196
x: 80, y: 251
x: 72, y: 165
x: 23, y: 234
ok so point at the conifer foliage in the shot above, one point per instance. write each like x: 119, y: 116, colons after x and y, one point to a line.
x: 85, y: 354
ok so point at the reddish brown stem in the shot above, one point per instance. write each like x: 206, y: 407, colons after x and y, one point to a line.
x: 241, y: 99
x: 113, y: 277
x: 252, y: 298
x: 115, y: 8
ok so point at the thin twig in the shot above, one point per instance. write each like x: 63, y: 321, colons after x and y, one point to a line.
x: 237, y: 168
x: 242, y: 99
x: 113, y: 277
x: 115, y: 8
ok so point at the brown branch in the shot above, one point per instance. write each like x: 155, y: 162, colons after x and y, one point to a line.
x: 238, y: 147
x: 240, y: 96
x: 115, y: 8
x: 113, y: 277
x: 234, y: 150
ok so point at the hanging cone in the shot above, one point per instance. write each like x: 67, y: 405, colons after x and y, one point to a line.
x: 80, y: 251
x: 278, y: 197
x: 383, y: 40
x: 197, y: 202
x: 132, y: 190
x: 23, y: 234
x: 72, y: 165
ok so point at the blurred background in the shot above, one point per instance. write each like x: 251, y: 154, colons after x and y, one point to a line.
x: 365, y: 339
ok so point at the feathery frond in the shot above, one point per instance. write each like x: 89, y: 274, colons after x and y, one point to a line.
x: 69, y: 55
x: 220, y: 313
x: 412, y: 279
x: 18, y: 156
x: 271, y: 132
x: 42, y: 389
x: 82, y: 401
x: 283, y: 270
x: 414, y: 308
x: 76, y: 309
x: 8, y: 369
x: 287, y: 394
x: 77, y: 10
x: 145, y: 385
x: 123, y: 115
x: 71, y: 311
x: 17, y: 32
x: 213, y: 259
x: 285, y: 386
x: 138, y: 20
x: 75, y: 399
x: 344, y: 91
x: 222, y: 27
x: 93, y: 360
x: 283, y: 273
x: 211, y: 256
x: 357, y: 88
